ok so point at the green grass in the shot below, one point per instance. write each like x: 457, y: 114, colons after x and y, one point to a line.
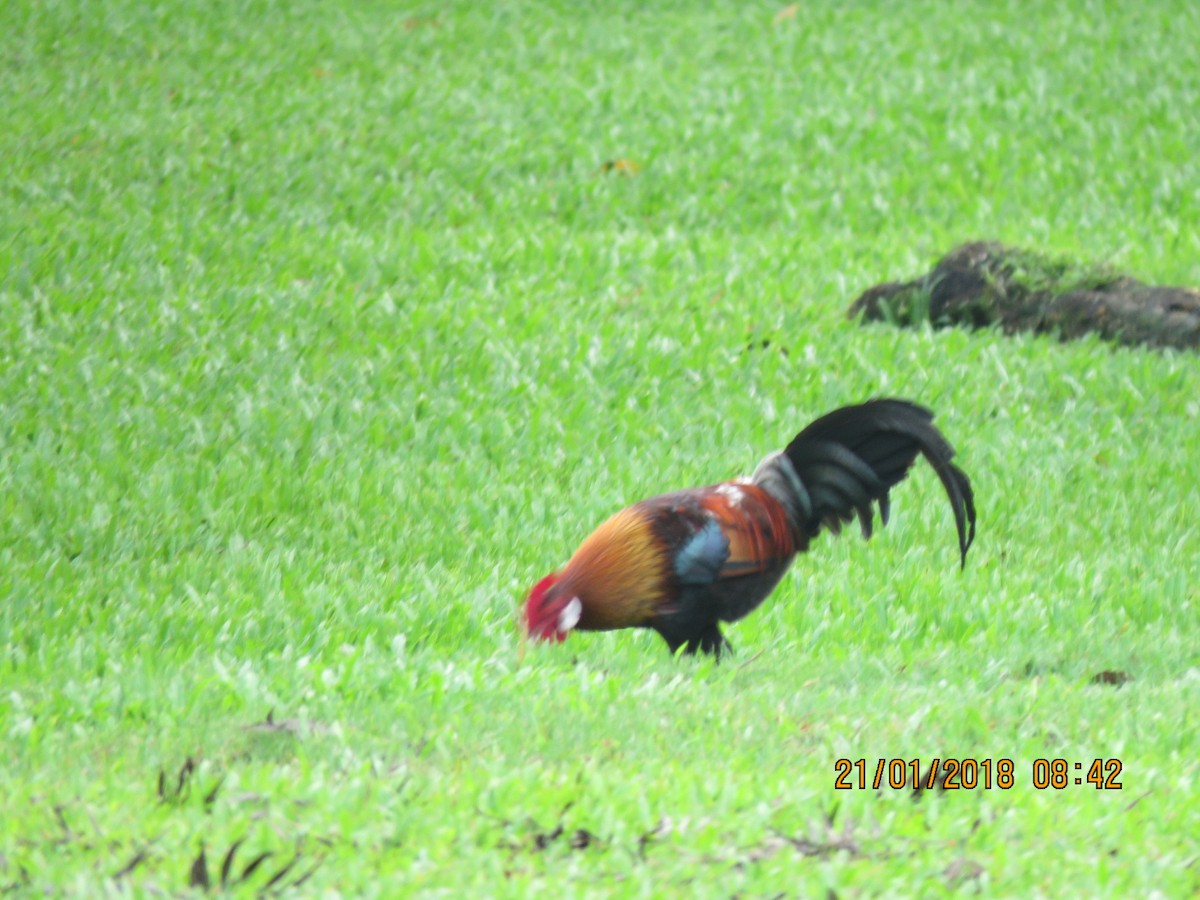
x: 323, y: 335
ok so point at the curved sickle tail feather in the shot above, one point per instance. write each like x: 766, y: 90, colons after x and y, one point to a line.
x: 847, y: 460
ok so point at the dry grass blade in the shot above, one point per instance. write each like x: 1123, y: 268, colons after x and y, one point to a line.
x: 282, y: 873
x: 227, y: 863
x: 198, y: 874
x: 138, y: 858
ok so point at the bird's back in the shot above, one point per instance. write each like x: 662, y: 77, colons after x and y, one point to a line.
x: 729, y: 545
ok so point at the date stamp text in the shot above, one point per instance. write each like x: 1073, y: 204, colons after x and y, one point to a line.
x: 971, y: 773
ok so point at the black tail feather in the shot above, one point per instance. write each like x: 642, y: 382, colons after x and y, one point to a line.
x: 854, y: 455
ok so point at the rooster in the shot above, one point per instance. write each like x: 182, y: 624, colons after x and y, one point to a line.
x: 682, y: 563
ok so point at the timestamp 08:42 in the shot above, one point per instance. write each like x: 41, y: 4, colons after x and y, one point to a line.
x: 970, y: 773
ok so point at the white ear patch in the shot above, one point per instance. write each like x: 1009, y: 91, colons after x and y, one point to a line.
x: 569, y: 617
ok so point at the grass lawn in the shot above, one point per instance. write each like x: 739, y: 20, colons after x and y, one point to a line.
x: 325, y: 332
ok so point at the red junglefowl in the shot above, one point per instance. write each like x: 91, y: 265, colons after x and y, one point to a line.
x: 683, y: 562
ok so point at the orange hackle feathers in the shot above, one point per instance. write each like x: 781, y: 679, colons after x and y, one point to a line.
x: 619, y: 573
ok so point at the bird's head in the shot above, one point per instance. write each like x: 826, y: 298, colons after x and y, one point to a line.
x: 551, y: 610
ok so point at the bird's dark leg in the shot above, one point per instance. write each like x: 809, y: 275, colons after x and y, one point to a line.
x: 707, y: 640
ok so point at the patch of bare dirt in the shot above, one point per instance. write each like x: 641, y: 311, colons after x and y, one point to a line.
x: 984, y: 284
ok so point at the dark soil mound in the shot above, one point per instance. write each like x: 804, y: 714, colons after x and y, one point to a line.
x: 985, y: 283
